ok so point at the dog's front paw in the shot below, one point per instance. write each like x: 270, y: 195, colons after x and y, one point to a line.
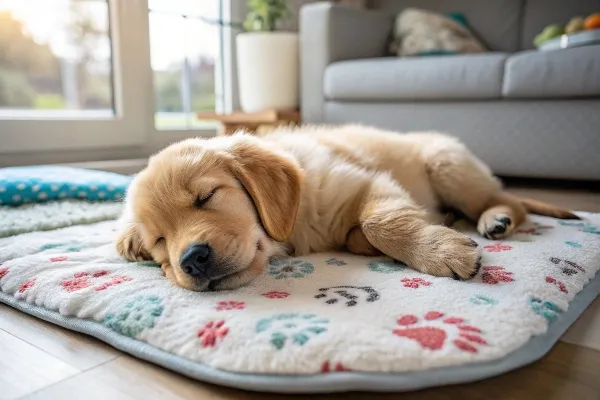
x: 129, y: 245
x: 445, y: 252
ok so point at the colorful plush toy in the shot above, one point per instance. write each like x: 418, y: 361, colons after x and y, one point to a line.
x: 575, y: 25
x: 549, y: 32
x: 592, y: 22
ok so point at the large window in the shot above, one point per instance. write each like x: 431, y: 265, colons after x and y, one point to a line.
x: 185, y: 52
x: 78, y: 74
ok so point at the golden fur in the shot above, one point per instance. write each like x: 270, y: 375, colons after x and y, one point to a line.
x: 315, y: 189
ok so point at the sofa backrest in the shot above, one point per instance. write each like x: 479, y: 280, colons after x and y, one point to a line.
x: 503, y: 25
x: 539, y: 13
x: 496, y: 22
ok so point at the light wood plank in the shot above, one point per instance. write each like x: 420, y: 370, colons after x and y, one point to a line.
x: 24, y: 368
x: 568, y: 372
x: 75, y: 349
x: 586, y: 330
x: 128, y: 378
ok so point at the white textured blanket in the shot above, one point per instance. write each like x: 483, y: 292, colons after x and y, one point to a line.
x: 325, y: 313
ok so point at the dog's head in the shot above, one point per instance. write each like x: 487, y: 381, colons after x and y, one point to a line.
x: 212, y: 210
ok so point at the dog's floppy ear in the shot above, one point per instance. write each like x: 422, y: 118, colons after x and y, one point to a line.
x: 129, y: 243
x: 273, y: 182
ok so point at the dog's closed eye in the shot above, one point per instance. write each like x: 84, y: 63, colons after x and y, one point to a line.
x: 159, y: 240
x: 202, y: 200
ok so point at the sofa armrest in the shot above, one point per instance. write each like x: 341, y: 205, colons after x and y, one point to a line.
x: 330, y: 33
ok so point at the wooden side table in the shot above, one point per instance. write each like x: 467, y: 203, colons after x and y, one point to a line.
x: 251, y: 122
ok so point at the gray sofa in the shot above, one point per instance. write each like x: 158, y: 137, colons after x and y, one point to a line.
x: 524, y: 112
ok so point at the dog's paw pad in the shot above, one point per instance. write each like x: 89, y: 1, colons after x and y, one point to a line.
x: 498, y: 228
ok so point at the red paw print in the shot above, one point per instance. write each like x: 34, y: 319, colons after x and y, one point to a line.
x: 27, y: 285
x: 414, y: 282
x: 493, y: 275
x: 560, y: 285
x: 497, y: 247
x: 329, y: 367
x: 230, y: 305
x: 432, y: 333
x: 273, y: 294
x: 101, y: 279
x: 211, y: 332
x: 3, y: 272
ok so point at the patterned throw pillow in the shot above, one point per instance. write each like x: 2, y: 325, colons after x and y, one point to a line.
x: 421, y: 32
x: 35, y: 184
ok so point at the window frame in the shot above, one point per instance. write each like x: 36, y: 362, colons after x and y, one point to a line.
x: 132, y: 127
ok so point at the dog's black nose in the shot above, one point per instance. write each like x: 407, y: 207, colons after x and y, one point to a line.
x: 196, y: 259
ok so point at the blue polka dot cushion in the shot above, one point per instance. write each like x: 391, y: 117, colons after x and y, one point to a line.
x: 34, y: 184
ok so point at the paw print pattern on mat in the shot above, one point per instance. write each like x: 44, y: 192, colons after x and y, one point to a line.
x: 559, y: 284
x: 27, y: 285
x: 493, y: 275
x: 577, y: 245
x: 335, y: 261
x: 135, y: 316
x: 414, y: 283
x: 3, y: 272
x: 583, y: 227
x: 212, y: 332
x: 432, y: 333
x: 482, y: 300
x: 350, y: 294
x: 497, y: 247
x: 386, y: 267
x: 567, y: 267
x: 328, y: 367
x: 274, y: 294
x: 290, y: 268
x: 69, y: 247
x: 295, y: 328
x: 230, y: 305
x: 100, y: 280
x: 546, y: 309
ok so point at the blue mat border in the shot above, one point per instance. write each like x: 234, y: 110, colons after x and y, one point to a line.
x: 535, y: 349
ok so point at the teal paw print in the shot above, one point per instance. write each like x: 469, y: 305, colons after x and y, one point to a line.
x: 386, y: 267
x: 69, y: 247
x: 137, y: 315
x: 577, y: 245
x: 482, y: 300
x: 546, y: 309
x: 591, y: 229
x: 296, y: 329
x: 290, y: 268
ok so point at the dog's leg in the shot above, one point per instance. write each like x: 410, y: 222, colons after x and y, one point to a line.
x: 357, y: 243
x: 394, y: 224
x: 462, y: 181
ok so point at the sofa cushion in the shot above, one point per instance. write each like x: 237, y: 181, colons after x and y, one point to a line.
x: 539, y: 13
x: 553, y: 74
x: 495, y: 22
x: 474, y: 76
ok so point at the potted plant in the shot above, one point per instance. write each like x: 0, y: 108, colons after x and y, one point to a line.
x: 267, y: 60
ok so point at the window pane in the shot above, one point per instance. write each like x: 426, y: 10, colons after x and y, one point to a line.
x: 185, y: 50
x: 55, y: 55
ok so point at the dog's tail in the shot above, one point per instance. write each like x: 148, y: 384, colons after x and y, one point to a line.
x: 547, y: 209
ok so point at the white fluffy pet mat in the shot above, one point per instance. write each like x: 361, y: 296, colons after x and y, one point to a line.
x: 322, y: 323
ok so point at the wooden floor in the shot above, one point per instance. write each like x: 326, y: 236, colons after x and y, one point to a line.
x: 39, y: 360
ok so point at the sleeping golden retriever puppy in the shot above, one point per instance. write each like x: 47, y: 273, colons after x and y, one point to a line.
x: 212, y: 212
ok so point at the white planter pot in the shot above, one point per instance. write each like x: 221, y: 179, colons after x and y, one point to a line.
x: 267, y: 65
